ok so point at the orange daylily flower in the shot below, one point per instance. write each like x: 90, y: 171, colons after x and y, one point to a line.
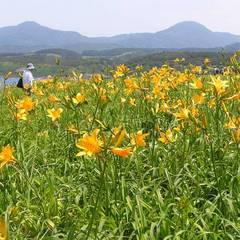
x: 197, y: 84
x: 27, y: 104
x: 139, y: 139
x: 89, y: 144
x: 198, y: 99
x: 122, y: 152
x: 6, y: 156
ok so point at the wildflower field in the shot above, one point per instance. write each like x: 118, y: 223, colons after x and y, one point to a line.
x: 138, y: 155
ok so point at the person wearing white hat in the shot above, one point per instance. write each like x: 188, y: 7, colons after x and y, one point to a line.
x: 28, y: 76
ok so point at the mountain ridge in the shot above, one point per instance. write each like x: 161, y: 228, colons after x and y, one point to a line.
x: 186, y: 34
x: 32, y: 36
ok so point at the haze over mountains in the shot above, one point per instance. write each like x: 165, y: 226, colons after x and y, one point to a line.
x: 31, y: 36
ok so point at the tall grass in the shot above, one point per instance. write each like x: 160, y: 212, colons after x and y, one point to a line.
x: 180, y: 185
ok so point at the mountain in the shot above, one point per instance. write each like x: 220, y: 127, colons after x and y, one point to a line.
x: 181, y: 35
x: 31, y: 36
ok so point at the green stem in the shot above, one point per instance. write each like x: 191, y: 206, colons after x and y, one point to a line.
x: 94, y: 210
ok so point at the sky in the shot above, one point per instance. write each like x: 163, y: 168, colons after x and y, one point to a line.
x: 111, y: 17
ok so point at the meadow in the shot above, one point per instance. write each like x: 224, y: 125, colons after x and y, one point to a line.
x: 138, y: 155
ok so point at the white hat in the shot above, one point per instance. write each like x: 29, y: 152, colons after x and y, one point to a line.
x: 30, y: 66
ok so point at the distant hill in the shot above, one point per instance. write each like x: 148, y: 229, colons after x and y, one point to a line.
x: 121, y: 52
x: 31, y: 36
x: 58, y: 51
x: 233, y: 47
x: 181, y: 35
x: 100, y: 61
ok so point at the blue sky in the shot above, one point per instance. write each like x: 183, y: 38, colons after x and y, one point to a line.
x: 110, y: 17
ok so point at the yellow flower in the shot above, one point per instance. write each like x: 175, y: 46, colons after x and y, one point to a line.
x: 27, y: 104
x: 156, y: 90
x: 3, y: 230
x: 197, y: 84
x: 196, y: 69
x: 230, y: 125
x: 182, y: 78
x: 132, y: 101
x: 139, y: 139
x: 54, y: 114
x: 110, y: 84
x: 21, y: 115
x: 206, y: 61
x: 122, y: 152
x: 90, y: 144
x: 194, y: 112
x: 167, y: 137
x: 183, y: 114
x: 212, y: 103
x: 79, y: 99
x: 97, y: 78
x: 198, y: 99
x: 131, y: 85
x: 219, y: 85
x: 53, y: 99
x: 120, y: 71
x: 6, y: 156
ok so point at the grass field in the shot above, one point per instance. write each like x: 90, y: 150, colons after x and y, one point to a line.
x: 142, y: 155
